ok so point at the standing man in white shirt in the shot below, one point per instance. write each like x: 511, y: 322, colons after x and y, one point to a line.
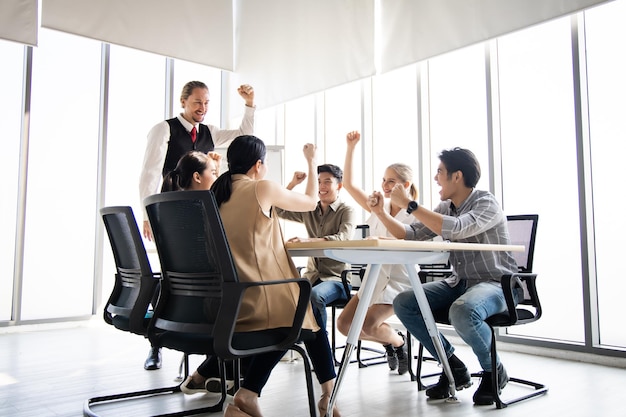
x: 170, y: 139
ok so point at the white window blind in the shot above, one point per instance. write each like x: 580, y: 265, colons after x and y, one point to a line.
x: 291, y: 48
x: 18, y: 21
x: 414, y: 30
x: 191, y: 30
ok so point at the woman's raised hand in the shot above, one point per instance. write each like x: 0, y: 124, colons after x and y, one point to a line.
x: 309, y: 151
x: 352, y: 138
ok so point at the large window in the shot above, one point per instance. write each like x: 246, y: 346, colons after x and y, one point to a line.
x: 394, y: 123
x: 342, y: 114
x: 268, y: 125
x: 10, y: 118
x: 62, y: 177
x: 407, y: 115
x: 300, y: 128
x: 606, y: 66
x: 539, y: 164
x: 458, y: 108
x: 136, y: 103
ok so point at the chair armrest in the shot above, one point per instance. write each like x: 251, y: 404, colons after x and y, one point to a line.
x: 229, y: 311
x: 137, y: 318
x: 346, y: 284
x: 525, y: 282
x: 135, y: 313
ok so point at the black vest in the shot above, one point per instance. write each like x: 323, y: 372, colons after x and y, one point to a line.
x: 180, y: 143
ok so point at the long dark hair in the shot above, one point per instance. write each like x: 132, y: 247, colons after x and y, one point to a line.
x: 242, y: 154
x: 180, y: 178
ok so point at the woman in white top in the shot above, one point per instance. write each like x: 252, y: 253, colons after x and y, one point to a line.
x: 393, y: 279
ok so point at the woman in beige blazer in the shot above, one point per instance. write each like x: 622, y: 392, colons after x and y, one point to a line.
x: 246, y: 202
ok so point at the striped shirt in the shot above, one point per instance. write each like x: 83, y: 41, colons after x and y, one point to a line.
x: 479, y: 219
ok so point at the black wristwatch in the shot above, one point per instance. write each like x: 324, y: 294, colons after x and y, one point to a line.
x: 412, y: 207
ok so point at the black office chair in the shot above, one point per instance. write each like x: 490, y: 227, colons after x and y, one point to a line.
x: 128, y: 305
x: 135, y: 284
x: 136, y: 287
x: 522, y: 231
x: 201, y: 293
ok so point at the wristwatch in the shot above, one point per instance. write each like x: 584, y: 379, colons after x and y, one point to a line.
x: 412, y: 207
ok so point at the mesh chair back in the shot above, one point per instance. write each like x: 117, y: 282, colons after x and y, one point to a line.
x: 195, y: 259
x: 523, y: 231
x: 135, y: 282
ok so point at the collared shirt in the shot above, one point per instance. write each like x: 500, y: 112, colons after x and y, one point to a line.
x: 479, y: 219
x: 157, y: 144
x: 337, y: 223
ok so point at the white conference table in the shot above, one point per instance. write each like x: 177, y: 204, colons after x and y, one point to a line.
x: 376, y: 252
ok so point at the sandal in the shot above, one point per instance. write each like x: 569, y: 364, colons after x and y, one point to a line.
x: 322, y: 406
x: 234, y: 411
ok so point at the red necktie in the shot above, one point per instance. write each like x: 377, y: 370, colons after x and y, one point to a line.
x: 193, y: 134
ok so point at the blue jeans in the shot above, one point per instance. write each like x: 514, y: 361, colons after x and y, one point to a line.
x: 467, y: 310
x: 322, y: 293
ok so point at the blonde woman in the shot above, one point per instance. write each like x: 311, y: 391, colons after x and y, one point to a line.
x: 393, y: 279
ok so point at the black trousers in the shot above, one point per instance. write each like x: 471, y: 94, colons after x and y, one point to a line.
x: 257, y: 369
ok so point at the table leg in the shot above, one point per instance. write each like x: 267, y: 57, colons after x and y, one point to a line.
x: 352, y: 339
x: 431, y: 326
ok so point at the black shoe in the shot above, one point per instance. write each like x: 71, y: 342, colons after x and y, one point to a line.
x: 402, y: 354
x: 215, y: 385
x: 441, y: 389
x: 189, y: 387
x: 154, y: 359
x: 392, y: 359
x: 484, y: 394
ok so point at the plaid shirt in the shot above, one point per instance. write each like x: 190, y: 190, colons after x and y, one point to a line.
x: 479, y: 219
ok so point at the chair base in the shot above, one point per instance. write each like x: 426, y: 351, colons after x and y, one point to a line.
x: 540, y: 389
x: 378, y: 357
x: 88, y: 412
x: 218, y: 407
x: 417, y: 375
